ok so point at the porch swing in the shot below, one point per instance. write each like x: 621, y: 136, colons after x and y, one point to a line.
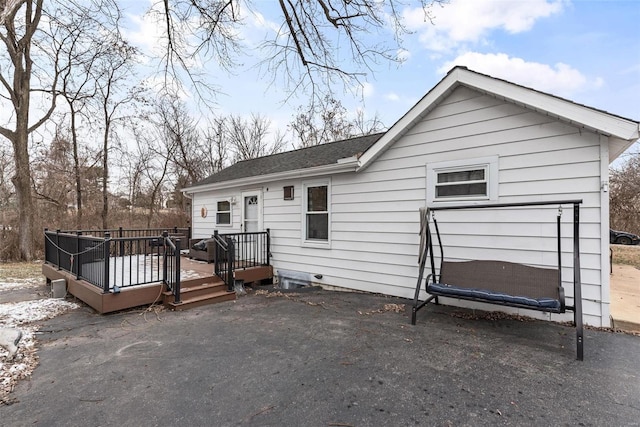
x: 500, y: 282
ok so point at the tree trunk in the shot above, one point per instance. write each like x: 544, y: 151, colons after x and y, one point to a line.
x: 76, y: 168
x: 22, y: 182
x: 105, y: 172
x: 105, y: 196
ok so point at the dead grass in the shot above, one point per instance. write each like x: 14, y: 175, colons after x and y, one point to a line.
x: 20, y: 270
x: 627, y: 255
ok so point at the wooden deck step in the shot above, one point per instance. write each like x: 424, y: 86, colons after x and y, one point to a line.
x: 196, y: 294
x: 198, y: 301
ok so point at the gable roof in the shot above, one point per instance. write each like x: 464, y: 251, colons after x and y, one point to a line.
x: 624, y: 132
x: 329, y: 157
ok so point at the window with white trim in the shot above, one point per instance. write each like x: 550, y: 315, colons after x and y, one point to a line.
x: 223, y: 212
x: 316, y: 213
x: 472, y: 179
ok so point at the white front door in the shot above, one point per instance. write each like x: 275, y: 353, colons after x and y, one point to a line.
x: 251, y: 212
x: 247, y: 248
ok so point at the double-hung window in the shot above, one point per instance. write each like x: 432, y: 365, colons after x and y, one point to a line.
x: 472, y: 179
x: 316, y: 213
x: 223, y: 212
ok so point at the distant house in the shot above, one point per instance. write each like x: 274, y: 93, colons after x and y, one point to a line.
x: 345, y: 214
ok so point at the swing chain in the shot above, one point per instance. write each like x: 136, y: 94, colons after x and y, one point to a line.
x: 559, y: 210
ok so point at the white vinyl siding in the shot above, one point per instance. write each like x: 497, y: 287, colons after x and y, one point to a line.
x: 204, y: 227
x: 374, y: 219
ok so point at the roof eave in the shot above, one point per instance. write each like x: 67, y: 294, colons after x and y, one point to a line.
x: 567, y: 111
x: 572, y: 113
x: 344, y: 165
x: 426, y: 104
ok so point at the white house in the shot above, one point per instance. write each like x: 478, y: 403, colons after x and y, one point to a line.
x: 347, y: 213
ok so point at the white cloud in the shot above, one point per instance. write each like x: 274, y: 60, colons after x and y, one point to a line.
x: 559, y: 79
x: 392, y: 96
x: 464, y: 21
x: 367, y: 89
x: 148, y: 32
x: 150, y: 36
x: 403, y: 55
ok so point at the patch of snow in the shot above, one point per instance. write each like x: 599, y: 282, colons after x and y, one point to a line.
x: 21, y: 315
x: 188, y: 274
x: 13, y: 284
x: 18, y: 313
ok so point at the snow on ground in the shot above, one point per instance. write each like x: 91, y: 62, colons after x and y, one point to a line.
x: 23, y: 315
x: 126, y: 271
x: 13, y: 284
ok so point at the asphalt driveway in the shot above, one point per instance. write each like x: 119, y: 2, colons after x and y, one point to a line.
x: 324, y: 359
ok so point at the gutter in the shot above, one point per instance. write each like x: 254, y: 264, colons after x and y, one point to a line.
x: 349, y: 164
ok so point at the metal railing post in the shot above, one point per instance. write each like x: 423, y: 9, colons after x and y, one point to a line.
x: 231, y: 254
x: 164, y: 259
x: 107, y: 262
x: 121, y: 241
x: 216, y: 254
x: 58, y: 249
x: 268, y: 257
x: 77, y: 256
x: 177, y: 273
x: 46, y: 252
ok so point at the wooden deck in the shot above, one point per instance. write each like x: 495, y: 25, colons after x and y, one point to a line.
x: 194, y: 274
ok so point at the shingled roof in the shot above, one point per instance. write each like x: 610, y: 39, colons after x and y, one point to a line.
x: 319, y: 155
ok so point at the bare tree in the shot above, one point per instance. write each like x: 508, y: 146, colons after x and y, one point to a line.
x: 154, y: 164
x: 6, y: 188
x: 52, y: 177
x: 181, y: 137
x: 624, y: 196
x: 329, y: 121
x: 216, y: 155
x: 318, y: 42
x: 37, y: 41
x: 248, y: 137
x: 20, y: 25
x: 111, y: 76
x: 84, y: 51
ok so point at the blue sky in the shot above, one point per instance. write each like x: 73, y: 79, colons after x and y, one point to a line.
x: 586, y: 51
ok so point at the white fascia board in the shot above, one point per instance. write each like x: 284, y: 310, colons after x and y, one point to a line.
x: 617, y: 146
x: 347, y: 165
x: 575, y: 114
x: 569, y: 112
x: 426, y: 104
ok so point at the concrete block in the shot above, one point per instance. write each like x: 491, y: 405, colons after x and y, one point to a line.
x: 59, y: 288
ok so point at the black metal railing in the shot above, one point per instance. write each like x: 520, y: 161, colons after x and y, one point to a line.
x: 171, y: 266
x: 224, y: 259
x: 239, y: 251
x: 113, y: 263
x: 133, y: 232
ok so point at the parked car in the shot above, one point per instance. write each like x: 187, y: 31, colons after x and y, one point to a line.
x: 623, y: 238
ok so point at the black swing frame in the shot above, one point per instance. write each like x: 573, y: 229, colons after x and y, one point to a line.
x: 427, y: 252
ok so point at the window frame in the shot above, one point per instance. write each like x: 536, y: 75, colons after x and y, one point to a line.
x: 230, y: 212
x: 316, y: 243
x: 290, y: 189
x: 490, y: 166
